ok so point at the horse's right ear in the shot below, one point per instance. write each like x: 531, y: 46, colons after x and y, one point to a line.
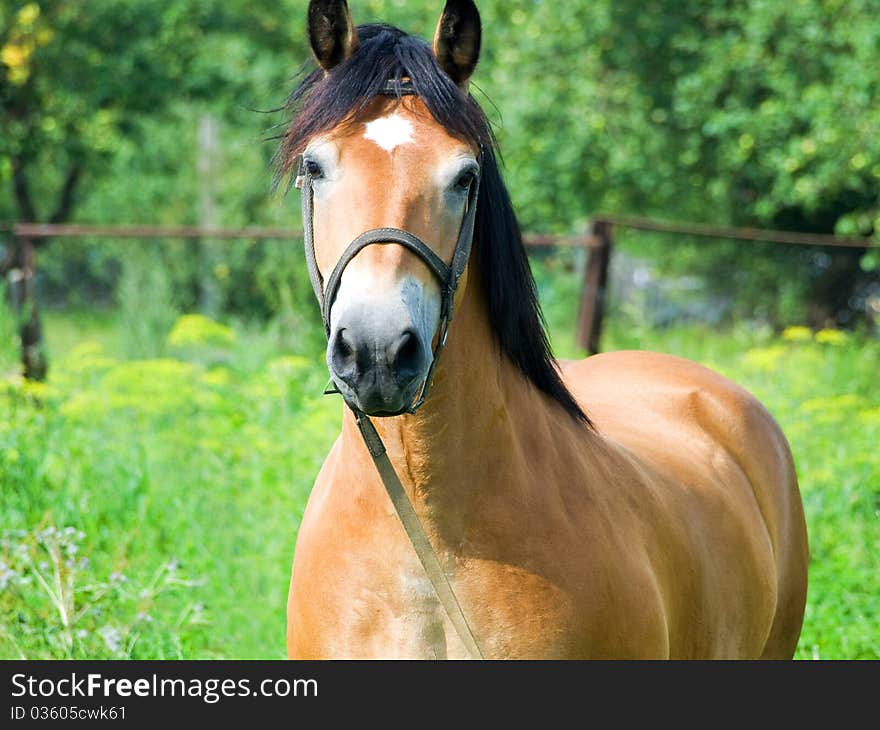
x: 457, y: 40
x: 332, y: 34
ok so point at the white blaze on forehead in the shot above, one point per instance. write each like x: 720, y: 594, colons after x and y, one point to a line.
x: 389, y: 132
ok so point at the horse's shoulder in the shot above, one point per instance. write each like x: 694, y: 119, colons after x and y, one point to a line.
x: 669, y: 409
x: 645, y: 382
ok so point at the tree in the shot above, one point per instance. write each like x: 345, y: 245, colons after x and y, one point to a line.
x: 76, y: 79
x: 749, y: 113
x: 71, y: 76
x: 752, y: 113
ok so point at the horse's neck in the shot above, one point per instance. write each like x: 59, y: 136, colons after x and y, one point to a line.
x: 440, y: 452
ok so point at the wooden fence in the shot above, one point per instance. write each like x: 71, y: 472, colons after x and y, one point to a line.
x: 19, y: 265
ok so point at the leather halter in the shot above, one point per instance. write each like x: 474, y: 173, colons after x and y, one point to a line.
x: 448, y: 275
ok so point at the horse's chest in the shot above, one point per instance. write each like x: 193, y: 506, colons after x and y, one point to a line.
x: 395, y: 613
x: 368, y: 596
x: 399, y: 617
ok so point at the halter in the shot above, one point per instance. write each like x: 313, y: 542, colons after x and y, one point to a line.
x: 448, y: 276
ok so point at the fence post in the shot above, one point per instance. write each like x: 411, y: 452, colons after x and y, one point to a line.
x: 21, y: 275
x: 592, y: 307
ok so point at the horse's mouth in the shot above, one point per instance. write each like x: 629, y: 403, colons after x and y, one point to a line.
x: 378, y: 404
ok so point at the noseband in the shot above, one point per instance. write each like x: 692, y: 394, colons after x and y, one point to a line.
x: 448, y: 277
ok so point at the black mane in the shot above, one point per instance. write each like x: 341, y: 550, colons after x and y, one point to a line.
x: 322, y: 102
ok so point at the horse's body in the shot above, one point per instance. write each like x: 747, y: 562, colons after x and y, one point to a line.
x: 671, y: 527
x: 675, y: 530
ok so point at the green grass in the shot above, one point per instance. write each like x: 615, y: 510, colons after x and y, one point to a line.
x: 182, y: 479
x: 199, y: 462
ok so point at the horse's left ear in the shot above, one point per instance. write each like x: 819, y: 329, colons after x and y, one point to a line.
x: 457, y: 40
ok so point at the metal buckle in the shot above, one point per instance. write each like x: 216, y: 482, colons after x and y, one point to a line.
x: 300, y: 179
x: 398, y: 87
x: 443, y: 334
x: 418, y: 404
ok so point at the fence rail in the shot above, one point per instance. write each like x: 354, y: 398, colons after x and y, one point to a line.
x: 704, y: 230
x: 76, y: 230
x: 700, y: 230
x: 20, y: 264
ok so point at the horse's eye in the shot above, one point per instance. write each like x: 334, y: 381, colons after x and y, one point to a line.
x: 312, y: 169
x: 464, y: 180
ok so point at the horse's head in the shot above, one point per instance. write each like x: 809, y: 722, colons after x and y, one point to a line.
x: 385, y: 135
x: 389, y: 164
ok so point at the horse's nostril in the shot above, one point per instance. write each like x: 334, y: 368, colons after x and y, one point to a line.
x: 408, y: 359
x: 343, y: 348
x: 343, y: 356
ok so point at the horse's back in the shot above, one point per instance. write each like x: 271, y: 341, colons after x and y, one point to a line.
x: 722, y: 450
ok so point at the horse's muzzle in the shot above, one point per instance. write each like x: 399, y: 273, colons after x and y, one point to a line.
x: 376, y: 365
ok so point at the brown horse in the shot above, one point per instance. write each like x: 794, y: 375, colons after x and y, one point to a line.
x: 667, y: 524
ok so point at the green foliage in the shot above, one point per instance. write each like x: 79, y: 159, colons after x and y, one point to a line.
x: 146, y: 303
x: 186, y: 479
x: 749, y: 113
x: 720, y: 112
x: 75, y: 614
x: 77, y: 80
x: 9, y: 337
x: 196, y: 330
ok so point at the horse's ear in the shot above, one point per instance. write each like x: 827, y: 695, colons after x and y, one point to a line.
x: 332, y: 34
x: 457, y: 40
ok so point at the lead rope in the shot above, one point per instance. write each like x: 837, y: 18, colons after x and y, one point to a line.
x: 393, y: 486
x: 416, y: 534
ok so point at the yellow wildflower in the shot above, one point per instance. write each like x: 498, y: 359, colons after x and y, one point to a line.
x: 765, y: 358
x: 196, y: 330
x: 797, y: 334
x: 831, y: 337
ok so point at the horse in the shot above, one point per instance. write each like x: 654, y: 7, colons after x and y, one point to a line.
x: 628, y: 505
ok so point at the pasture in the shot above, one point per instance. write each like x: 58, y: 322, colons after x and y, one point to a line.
x: 151, y: 502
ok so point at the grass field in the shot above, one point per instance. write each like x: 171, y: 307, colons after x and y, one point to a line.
x: 150, y: 506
